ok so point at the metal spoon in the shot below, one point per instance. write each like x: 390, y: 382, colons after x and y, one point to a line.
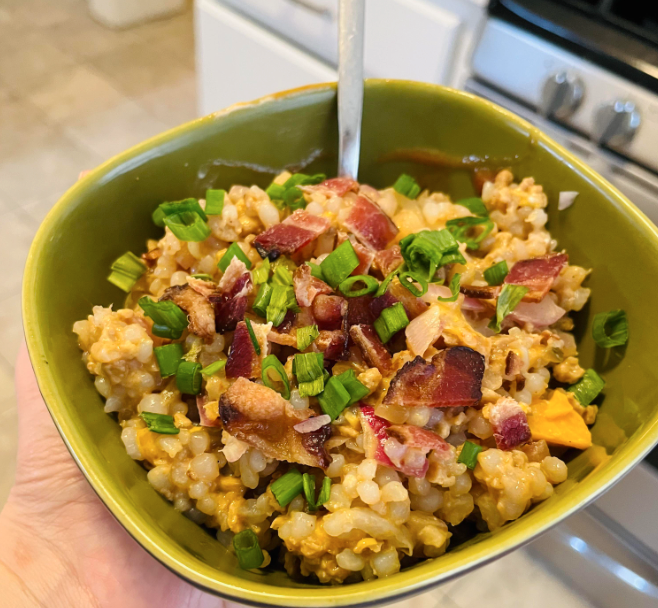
x: 351, y: 16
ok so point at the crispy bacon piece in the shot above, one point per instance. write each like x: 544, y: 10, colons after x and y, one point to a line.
x: 260, y: 417
x: 328, y: 311
x: 242, y: 362
x: 452, y: 379
x: 372, y: 349
x: 291, y: 235
x: 230, y: 306
x: 383, y: 301
x: 402, y: 447
x: 537, y: 274
x: 387, y: 260
x: 413, y: 305
x: 151, y: 257
x: 488, y: 292
x: 332, y: 343
x: 307, y: 286
x: 199, y: 310
x: 359, y: 311
x: 513, y: 364
x: 509, y: 422
x: 370, y: 224
x: 340, y: 185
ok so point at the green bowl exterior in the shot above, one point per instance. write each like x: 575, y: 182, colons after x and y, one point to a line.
x: 108, y: 212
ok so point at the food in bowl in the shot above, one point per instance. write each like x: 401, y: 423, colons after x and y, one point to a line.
x: 341, y: 377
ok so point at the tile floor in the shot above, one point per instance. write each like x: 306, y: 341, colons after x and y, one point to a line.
x: 73, y: 94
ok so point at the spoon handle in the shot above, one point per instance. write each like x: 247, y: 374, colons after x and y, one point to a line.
x: 351, y: 16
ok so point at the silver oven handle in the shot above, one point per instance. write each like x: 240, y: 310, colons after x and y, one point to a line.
x: 321, y: 11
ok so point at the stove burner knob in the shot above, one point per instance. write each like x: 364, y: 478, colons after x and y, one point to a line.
x: 561, y: 95
x: 615, y: 123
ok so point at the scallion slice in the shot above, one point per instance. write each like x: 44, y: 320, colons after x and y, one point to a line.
x: 282, y: 298
x: 454, y: 289
x: 126, y: 271
x: 188, y: 226
x: 316, y: 271
x: 588, y: 387
x: 308, y: 366
x: 475, y: 205
x: 215, y: 202
x: 312, y: 388
x: 407, y: 186
x: 460, y: 228
x: 282, y: 275
x: 262, y: 300
x: 407, y: 279
x: 370, y: 285
x: 391, y: 321
x: 288, y: 194
x: 247, y: 550
x: 287, y: 487
x: 357, y: 390
x: 261, y: 273
x: 213, y: 368
x: 202, y: 277
x: 190, y: 205
x: 429, y: 250
x: 381, y: 290
x: 339, y: 264
x: 168, y: 358
x: 271, y: 363
x: 169, y: 320
x: 159, y: 423
x: 188, y: 377
x: 508, y: 299
x: 306, y: 336
x: 252, y: 335
x: 233, y: 251
x: 610, y: 329
x: 334, y: 399
x: 469, y: 454
x: 495, y: 275
x: 308, y: 481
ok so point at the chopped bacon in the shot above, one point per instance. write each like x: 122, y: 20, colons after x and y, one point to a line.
x: 332, y: 343
x: 539, y: 315
x: 387, y: 260
x: 368, y: 222
x: 487, y: 292
x: 151, y: 257
x: 513, y: 364
x: 328, y: 311
x: 291, y: 235
x: 340, y: 185
x: 452, y: 379
x: 374, y: 434
x: 242, y: 362
x: 230, y: 306
x: 510, y: 424
x: 236, y: 269
x: 383, y: 301
x: 413, y: 305
x: 365, y: 255
x: 205, y: 288
x: 417, y: 437
x: 263, y: 419
x: 199, y: 310
x: 537, y: 274
x: 374, y: 352
x: 307, y: 286
x: 359, y: 311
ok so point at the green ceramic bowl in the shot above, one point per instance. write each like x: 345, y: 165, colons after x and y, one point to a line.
x: 436, y: 134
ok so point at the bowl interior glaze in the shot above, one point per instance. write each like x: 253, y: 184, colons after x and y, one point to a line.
x: 439, y: 136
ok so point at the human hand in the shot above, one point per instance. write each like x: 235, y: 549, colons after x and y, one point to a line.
x: 60, y: 546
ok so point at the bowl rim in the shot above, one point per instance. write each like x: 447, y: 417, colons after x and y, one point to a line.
x: 396, y: 587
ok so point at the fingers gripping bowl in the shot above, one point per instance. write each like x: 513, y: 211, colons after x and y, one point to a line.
x: 435, y: 502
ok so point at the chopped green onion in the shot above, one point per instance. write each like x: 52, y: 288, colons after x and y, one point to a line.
x: 407, y: 186
x: 282, y: 276
x: 275, y: 191
x: 356, y: 389
x: 160, y: 423
x: 474, y: 205
x: 261, y: 273
x: 282, y: 298
x: 262, y: 300
x: 325, y: 492
x: 312, y: 388
x: 247, y: 550
x: 300, y: 179
x: 188, y: 226
x: 495, y: 275
x: 233, y: 251
x: 407, y: 280
x: 334, y: 399
x: 190, y: 205
x: 287, y: 487
x: 126, y: 271
x: 391, y: 321
x: 461, y: 226
x: 215, y: 202
x: 316, y: 271
x: 169, y: 320
x: 272, y: 363
x: 610, y: 328
x: 371, y: 285
x: 168, y: 358
x: 469, y: 454
x: 339, y: 264
x: 288, y: 194
x: 508, y: 300
x: 202, y: 277
x: 308, y: 482
x: 252, y: 335
x: 381, y: 290
x: 308, y: 366
x: 306, y: 336
x: 428, y: 250
x: 454, y: 289
x: 588, y: 387
x: 188, y: 377
x: 213, y: 368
